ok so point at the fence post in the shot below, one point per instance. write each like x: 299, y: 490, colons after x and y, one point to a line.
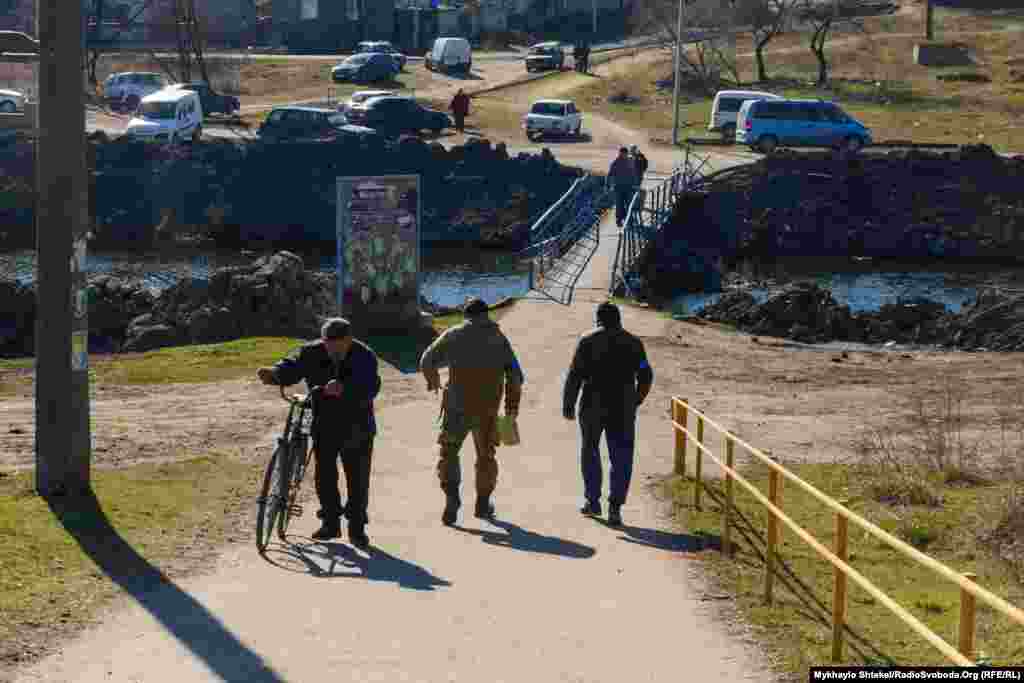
x: 679, y: 415
x: 698, y: 463
x: 774, y: 490
x: 727, y: 514
x: 839, y: 587
x: 967, y: 622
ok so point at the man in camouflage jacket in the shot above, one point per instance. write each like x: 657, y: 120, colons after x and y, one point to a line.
x: 480, y: 363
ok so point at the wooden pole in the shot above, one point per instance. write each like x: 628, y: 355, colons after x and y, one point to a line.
x: 839, y: 588
x: 698, y: 464
x: 680, y: 413
x: 967, y: 620
x: 929, y: 20
x: 62, y: 441
x: 774, y: 491
x: 727, y: 513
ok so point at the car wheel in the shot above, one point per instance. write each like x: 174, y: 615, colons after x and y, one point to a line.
x: 853, y: 144
x: 767, y: 144
x: 729, y: 134
x: 579, y: 130
x: 7, y: 107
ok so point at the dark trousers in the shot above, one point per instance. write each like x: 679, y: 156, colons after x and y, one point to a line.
x: 622, y: 197
x: 355, y: 459
x: 620, y: 436
x: 460, y: 122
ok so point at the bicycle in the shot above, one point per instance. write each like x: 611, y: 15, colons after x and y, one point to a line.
x: 278, y: 502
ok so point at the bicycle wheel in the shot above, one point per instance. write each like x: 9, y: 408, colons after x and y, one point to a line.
x: 298, y: 458
x: 270, y: 499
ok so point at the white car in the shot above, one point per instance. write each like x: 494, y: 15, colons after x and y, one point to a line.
x: 11, y: 101
x: 553, y: 117
x: 168, y: 116
x: 130, y: 87
x: 360, y: 96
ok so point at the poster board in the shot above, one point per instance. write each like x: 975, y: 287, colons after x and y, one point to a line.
x: 378, y: 250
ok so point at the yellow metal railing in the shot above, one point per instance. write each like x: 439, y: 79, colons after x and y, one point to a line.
x: 970, y: 591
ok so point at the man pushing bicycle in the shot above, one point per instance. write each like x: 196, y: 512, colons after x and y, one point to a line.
x: 343, y: 421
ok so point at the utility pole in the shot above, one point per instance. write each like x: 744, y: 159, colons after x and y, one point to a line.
x: 678, y: 61
x: 929, y: 20
x: 594, y: 28
x: 63, y: 440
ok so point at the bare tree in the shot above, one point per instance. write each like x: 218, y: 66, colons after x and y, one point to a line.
x: 766, y: 19
x: 823, y: 18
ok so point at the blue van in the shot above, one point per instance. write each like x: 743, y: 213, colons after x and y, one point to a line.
x: 764, y: 125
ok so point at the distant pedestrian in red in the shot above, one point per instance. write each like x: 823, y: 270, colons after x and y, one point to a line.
x: 460, y: 110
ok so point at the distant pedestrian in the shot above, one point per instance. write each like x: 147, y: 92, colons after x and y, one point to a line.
x: 641, y: 163
x: 622, y: 176
x: 611, y: 366
x: 586, y: 57
x: 460, y: 110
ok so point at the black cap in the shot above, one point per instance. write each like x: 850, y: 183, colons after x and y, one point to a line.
x: 608, y: 315
x: 475, y: 306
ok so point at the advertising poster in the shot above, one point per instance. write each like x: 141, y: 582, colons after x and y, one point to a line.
x: 379, y: 246
x: 79, y: 307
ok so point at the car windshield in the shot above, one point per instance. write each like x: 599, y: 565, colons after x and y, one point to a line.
x: 357, y: 60
x: 548, y: 109
x: 541, y: 50
x: 158, y: 110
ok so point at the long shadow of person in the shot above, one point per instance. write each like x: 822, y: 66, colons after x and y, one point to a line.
x: 656, y: 538
x: 518, y: 538
x: 337, y: 560
x: 179, y: 613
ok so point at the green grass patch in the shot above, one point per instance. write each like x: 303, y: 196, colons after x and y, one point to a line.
x: 797, y: 627
x: 61, y: 564
x: 497, y: 312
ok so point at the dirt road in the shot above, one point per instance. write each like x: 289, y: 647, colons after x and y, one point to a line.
x: 541, y: 594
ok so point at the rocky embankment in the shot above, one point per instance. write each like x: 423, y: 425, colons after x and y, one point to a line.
x: 275, y: 295
x: 808, y: 313
x: 240, y: 193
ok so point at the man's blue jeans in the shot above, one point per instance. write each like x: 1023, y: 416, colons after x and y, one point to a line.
x: 620, y: 435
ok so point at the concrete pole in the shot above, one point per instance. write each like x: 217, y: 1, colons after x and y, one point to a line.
x: 678, y: 62
x: 929, y: 20
x: 594, y: 28
x: 62, y: 377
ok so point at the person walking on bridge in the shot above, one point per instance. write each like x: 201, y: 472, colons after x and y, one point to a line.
x: 481, y: 366
x: 611, y: 366
x: 622, y: 177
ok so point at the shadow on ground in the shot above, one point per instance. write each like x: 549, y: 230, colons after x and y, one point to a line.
x: 401, y: 351
x: 518, y: 538
x: 180, y: 614
x: 663, y: 540
x: 338, y: 560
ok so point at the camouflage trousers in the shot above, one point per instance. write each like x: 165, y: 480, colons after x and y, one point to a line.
x: 485, y: 438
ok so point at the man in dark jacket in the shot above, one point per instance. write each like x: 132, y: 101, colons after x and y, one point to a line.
x: 622, y: 176
x: 641, y: 163
x: 460, y: 110
x: 343, y: 421
x: 611, y: 366
x: 481, y: 366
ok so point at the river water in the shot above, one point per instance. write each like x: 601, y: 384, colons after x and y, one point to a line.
x: 448, y: 276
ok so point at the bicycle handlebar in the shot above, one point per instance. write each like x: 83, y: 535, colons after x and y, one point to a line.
x: 298, y: 398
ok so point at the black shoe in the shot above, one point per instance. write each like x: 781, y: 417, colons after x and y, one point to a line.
x: 592, y: 509
x: 484, y: 508
x: 451, y: 511
x: 358, y: 536
x: 614, y: 516
x: 327, y: 531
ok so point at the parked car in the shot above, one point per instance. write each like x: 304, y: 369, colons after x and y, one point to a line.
x: 167, y: 116
x: 360, y: 96
x: 128, y: 88
x: 213, y: 102
x: 11, y: 101
x: 307, y: 123
x: 552, y: 117
x: 449, y: 55
x: 767, y: 124
x: 365, y: 68
x: 393, y: 115
x: 726, y: 107
x: 544, y: 56
x: 384, y: 46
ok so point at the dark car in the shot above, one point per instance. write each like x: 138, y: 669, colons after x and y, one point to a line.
x: 383, y: 46
x: 365, y: 68
x: 394, y: 116
x: 308, y: 123
x: 545, y: 56
x: 211, y: 101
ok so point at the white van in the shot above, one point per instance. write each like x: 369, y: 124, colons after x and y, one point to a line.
x: 727, y: 105
x: 168, y: 116
x: 450, y: 54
